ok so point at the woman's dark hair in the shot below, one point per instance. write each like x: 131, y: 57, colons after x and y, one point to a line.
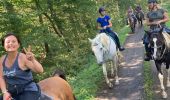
x: 152, y: 1
x: 10, y: 34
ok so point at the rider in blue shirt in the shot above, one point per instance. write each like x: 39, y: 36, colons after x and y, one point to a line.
x: 104, y: 25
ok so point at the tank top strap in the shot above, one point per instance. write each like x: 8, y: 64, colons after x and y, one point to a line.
x: 3, y: 63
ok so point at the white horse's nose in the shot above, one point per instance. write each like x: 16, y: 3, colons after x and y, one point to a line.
x: 100, y: 63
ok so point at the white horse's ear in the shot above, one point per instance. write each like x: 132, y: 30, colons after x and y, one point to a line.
x: 90, y: 40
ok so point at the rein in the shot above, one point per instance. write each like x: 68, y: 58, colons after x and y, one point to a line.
x: 164, y: 51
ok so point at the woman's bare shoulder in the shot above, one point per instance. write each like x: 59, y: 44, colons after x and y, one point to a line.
x: 22, y: 56
x: 2, y: 58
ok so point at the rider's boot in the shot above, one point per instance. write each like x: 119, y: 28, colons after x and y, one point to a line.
x: 121, y: 48
x: 148, y: 56
x: 118, y: 44
x: 115, y: 37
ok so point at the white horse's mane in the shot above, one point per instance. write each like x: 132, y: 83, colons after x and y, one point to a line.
x: 103, y: 38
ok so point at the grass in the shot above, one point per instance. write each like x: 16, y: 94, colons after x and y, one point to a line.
x: 123, y: 33
x: 148, y: 81
x: 87, y: 81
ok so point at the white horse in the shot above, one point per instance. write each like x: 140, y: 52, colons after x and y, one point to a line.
x: 105, y: 50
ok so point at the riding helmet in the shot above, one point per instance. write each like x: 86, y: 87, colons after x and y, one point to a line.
x: 101, y: 9
x: 149, y: 1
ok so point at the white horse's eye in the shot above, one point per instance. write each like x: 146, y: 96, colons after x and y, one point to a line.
x: 101, y: 48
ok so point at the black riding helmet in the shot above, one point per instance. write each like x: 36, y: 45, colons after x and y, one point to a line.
x: 154, y: 1
x: 101, y: 9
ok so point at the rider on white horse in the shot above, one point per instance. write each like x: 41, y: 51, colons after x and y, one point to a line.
x: 104, y: 24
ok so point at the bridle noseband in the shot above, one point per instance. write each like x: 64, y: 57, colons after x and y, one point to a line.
x: 162, y: 47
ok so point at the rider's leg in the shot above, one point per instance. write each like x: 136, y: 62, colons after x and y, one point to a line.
x: 115, y: 37
x: 1, y: 97
x: 29, y: 95
x: 148, y: 52
x: 147, y: 48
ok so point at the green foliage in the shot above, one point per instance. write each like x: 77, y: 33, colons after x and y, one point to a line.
x: 123, y: 33
x: 167, y: 7
x: 148, y: 81
x: 87, y: 81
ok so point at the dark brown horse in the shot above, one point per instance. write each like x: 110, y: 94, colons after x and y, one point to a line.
x: 132, y: 22
x: 57, y: 88
x: 140, y: 17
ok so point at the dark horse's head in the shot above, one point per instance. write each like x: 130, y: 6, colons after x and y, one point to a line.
x: 157, y: 43
x: 60, y: 73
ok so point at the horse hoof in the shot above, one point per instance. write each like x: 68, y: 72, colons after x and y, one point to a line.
x: 168, y: 83
x: 117, y: 83
x: 110, y: 85
x: 164, y: 95
x: 112, y: 75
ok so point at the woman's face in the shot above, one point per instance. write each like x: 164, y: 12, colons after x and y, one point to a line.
x: 151, y: 5
x: 103, y: 13
x: 11, y: 44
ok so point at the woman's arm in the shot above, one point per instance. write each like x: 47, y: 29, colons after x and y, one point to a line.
x: 2, y: 82
x: 165, y: 19
x: 30, y: 61
x: 4, y: 90
x: 110, y: 23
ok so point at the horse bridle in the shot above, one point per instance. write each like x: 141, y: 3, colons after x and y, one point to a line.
x: 161, y: 46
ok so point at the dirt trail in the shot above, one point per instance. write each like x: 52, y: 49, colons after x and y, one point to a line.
x: 130, y: 72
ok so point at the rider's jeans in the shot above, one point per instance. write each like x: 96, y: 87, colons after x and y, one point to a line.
x: 27, y: 95
x: 146, y: 43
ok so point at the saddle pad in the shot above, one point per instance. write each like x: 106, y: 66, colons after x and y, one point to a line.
x: 45, y: 97
x: 167, y: 39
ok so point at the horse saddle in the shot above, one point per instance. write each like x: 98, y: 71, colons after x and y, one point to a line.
x: 42, y: 95
x: 167, y: 38
x: 45, y: 97
x: 167, y: 30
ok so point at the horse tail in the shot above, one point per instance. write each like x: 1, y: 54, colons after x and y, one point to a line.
x: 59, y: 73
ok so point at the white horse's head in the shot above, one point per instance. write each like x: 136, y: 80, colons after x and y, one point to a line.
x: 98, y: 48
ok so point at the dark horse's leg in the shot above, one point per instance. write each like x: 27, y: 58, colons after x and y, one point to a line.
x: 139, y: 16
x: 168, y: 73
x: 132, y: 23
x: 160, y: 76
